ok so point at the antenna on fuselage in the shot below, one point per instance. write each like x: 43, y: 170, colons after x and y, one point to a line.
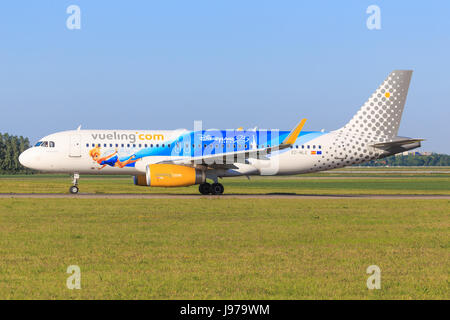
x: 79, y: 128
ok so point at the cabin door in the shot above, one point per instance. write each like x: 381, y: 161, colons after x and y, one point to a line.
x: 75, y: 146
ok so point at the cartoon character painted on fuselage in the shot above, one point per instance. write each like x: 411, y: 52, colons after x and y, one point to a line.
x: 111, y: 160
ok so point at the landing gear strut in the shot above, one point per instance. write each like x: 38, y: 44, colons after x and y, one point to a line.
x: 74, y: 189
x: 214, y: 189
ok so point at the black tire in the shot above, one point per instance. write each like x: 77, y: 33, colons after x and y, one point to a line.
x: 204, y: 188
x: 73, y: 189
x: 217, y: 188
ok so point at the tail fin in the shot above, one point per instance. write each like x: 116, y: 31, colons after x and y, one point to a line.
x: 381, y: 114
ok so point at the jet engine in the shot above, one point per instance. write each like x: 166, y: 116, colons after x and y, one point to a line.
x: 170, y: 175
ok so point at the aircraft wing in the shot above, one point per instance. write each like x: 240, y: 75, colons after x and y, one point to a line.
x: 228, y: 158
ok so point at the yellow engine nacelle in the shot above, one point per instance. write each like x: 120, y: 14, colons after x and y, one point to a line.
x: 170, y: 175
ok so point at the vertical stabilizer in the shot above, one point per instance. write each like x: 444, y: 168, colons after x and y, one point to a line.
x: 381, y: 114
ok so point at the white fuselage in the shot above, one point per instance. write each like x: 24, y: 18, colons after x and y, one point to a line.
x: 70, y: 153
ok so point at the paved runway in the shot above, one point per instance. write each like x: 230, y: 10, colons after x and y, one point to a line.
x: 225, y: 196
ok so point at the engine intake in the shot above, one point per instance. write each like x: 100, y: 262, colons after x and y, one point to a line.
x: 170, y: 175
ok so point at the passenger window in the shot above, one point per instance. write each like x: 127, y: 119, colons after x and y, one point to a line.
x: 104, y: 145
x: 151, y: 145
x: 303, y: 147
x: 128, y: 145
x: 110, y: 145
x: 117, y: 145
x: 157, y: 145
x: 87, y: 145
x: 140, y: 145
x: 307, y: 146
x: 146, y: 145
x: 320, y: 147
x: 314, y: 147
x: 123, y: 145
x: 163, y: 145
x: 134, y: 146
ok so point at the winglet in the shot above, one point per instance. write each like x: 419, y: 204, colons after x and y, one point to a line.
x: 290, y: 139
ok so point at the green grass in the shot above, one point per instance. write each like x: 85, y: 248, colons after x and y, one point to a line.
x: 224, y: 249
x: 304, y: 184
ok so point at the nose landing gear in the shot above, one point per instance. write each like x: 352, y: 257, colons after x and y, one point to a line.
x: 214, y: 189
x: 74, y: 189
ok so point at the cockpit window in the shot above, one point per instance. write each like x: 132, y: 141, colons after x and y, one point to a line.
x: 45, y: 144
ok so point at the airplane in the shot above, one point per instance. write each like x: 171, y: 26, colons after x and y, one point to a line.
x: 176, y: 158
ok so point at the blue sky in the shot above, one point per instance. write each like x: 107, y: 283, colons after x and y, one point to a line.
x: 164, y: 64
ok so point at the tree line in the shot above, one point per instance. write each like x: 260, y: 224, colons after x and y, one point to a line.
x: 12, y: 146
x: 10, y: 149
x: 411, y: 160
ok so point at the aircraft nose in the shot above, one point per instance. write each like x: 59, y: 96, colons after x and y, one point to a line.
x: 25, y: 159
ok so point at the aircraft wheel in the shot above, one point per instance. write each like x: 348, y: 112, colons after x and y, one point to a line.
x: 73, y: 190
x: 204, y: 188
x: 217, y: 188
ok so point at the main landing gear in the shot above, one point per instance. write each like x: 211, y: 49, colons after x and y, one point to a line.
x: 74, y: 189
x: 214, y: 189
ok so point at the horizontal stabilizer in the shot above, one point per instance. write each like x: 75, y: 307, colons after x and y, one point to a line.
x: 396, y: 143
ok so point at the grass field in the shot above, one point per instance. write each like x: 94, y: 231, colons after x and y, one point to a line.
x: 333, y: 182
x: 213, y: 248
